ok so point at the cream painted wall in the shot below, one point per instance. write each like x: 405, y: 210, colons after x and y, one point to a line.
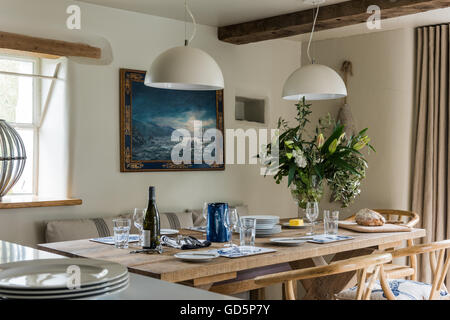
x: 92, y: 128
x: 380, y: 94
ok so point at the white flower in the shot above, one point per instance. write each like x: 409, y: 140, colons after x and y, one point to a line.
x: 300, y: 159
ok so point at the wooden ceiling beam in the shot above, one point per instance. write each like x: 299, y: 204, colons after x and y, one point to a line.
x: 47, y: 47
x: 330, y: 17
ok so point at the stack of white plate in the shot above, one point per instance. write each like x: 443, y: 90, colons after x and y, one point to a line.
x: 266, y: 226
x: 61, y: 279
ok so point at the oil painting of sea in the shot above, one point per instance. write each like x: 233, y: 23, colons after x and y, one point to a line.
x: 156, y: 113
x: 150, y: 115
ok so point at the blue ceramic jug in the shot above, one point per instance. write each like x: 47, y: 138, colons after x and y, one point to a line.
x: 216, y: 231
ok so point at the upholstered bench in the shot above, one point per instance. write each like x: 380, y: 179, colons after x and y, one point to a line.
x: 77, y: 229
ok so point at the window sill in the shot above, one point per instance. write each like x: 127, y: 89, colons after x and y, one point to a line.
x: 14, y: 202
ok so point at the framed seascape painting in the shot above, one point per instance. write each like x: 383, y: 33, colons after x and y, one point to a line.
x: 169, y: 130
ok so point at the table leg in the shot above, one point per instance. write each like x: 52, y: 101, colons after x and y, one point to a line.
x: 324, y: 288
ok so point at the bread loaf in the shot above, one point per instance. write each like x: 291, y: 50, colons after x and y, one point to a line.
x: 367, y: 217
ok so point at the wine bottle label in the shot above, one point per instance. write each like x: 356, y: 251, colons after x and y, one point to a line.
x: 146, y: 240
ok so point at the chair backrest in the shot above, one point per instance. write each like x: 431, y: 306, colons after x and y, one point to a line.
x: 361, y: 264
x: 438, y: 263
x: 407, y: 218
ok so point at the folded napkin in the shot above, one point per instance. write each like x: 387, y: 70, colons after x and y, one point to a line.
x: 185, y: 243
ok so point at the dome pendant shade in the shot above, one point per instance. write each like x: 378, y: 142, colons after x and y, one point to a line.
x: 314, y: 82
x: 185, y: 68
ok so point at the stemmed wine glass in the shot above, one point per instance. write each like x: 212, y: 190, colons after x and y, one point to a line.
x: 312, y: 213
x: 231, y: 222
x: 138, y: 218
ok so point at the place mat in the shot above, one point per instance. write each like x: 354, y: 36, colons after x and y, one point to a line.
x: 328, y: 238
x: 238, y: 252
x: 110, y: 240
x: 387, y: 227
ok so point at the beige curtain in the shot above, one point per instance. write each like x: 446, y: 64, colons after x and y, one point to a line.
x: 431, y: 181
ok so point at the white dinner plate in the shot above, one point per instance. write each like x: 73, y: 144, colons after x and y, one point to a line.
x: 197, y: 256
x: 268, y: 233
x: 260, y: 219
x: 275, y: 229
x: 66, y: 290
x: 109, y: 289
x: 305, y: 225
x: 265, y: 226
x: 288, y: 241
x: 53, y: 273
x: 168, y: 232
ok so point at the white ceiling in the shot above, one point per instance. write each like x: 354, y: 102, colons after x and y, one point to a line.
x: 212, y: 12
x: 226, y: 12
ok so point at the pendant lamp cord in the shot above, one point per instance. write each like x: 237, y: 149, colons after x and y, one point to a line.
x: 188, y: 10
x: 312, y: 32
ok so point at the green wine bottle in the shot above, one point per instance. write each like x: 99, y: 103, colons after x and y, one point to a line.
x: 151, y: 227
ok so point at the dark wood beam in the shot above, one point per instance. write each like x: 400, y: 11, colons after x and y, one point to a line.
x: 330, y: 17
x: 50, y: 47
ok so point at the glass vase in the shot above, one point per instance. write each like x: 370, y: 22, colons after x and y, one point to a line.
x: 302, y: 193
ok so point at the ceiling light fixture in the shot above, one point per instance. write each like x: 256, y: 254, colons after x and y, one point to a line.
x: 314, y: 81
x: 184, y: 67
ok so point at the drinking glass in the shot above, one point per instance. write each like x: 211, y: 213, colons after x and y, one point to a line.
x: 247, y: 234
x: 138, y: 218
x: 232, y: 223
x: 331, y: 222
x: 121, y: 232
x: 312, y: 213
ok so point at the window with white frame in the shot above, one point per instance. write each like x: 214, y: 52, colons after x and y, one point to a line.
x: 20, y: 107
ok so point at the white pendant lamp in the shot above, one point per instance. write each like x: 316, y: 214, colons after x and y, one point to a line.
x: 185, y: 68
x: 314, y: 81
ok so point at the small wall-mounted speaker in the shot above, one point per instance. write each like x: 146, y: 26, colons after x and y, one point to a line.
x: 248, y: 109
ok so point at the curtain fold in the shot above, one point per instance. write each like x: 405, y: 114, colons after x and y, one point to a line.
x: 431, y: 177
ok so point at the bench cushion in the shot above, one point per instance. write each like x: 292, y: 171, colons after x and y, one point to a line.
x: 77, y: 229
x: 402, y: 290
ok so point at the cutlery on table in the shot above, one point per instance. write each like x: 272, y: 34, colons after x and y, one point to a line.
x: 148, y: 251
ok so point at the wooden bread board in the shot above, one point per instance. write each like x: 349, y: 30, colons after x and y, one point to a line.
x: 387, y: 227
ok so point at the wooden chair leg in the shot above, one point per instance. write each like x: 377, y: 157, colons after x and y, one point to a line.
x: 289, y: 289
x: 385, y: 285
x: 258, y: 294
x: 413, y: 261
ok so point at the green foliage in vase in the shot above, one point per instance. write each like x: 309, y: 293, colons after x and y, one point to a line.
x: 308, y: 161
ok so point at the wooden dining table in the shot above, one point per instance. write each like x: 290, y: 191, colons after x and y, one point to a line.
x: 235, y: 275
